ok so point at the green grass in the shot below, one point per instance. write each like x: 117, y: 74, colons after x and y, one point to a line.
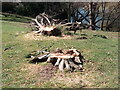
x: 102, y: 52
x: 14, y: 18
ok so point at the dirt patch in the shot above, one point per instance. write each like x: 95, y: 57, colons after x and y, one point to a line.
x: 46, y: 73
x: 34, y: 36
x: 40, y: 73
x: 75, y: 79
x: 49, y: 74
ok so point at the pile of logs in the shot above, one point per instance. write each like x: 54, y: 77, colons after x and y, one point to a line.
x: 65, y: 59
x: 44, y: 24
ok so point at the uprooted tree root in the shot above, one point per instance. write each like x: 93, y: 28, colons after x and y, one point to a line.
x: 46, y: 25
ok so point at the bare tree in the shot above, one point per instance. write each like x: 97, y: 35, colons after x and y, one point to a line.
x: 113, y: 17
x: 103, y: 14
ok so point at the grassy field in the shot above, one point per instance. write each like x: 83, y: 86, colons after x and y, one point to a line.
x: 101, y: 71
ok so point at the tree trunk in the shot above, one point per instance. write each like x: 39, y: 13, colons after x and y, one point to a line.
x: 103, y: 14
x: 92, y: 16
x: 45, y: 7
x: 69, y: 11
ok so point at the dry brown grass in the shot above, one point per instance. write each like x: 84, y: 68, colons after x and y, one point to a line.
x: 44, y: 74
x: 34, y: 36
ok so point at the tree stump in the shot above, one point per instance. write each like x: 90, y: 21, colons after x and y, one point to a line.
x: 70, y: 59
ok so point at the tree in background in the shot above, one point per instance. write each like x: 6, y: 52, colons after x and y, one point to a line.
x: 113, y: 17
x: 8, y: 7
x: 97, y: 15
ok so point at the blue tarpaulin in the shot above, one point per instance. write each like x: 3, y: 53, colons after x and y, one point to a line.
x: 84, y: 21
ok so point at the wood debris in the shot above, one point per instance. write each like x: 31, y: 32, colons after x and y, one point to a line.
x: 65, y: 59
x: 45, y: 25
